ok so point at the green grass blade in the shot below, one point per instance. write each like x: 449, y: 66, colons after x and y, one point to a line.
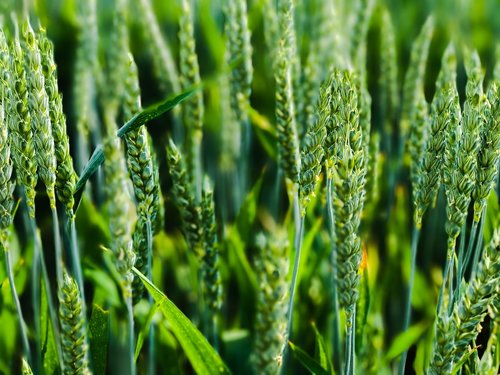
x: 99, y: 332
x: 201, y: 354
x: 307, y: 361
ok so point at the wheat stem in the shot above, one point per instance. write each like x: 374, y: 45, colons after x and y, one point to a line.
x: 350, y: 341
x: 151, y: 337
x: 470, y: 247
x: 75, y: 257
x: 478, y: 248
x: 15, y: 297
x: 407, y: 317
x: 57, y: 247
x: 337, y: 349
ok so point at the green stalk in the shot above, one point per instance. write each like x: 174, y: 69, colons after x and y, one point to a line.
x: 151, y: 338
x: 350, y: 342
x: 75, y: 258
x: 472, y: 239
x: 407, y: 318
x: 299, y: 233
x: 57, y: 247
x: 461, y: 255
x: 478, y: 249
x: 15, y: 297
x: 337, y: 357
x: 35, y: 293
x: 130, y: 334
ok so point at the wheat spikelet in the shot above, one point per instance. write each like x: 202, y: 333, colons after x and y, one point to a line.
x: 19, y: 125
x: 288, y: 148
x: 38, y: 105
x: 312, y: 150
x: 429, y: 175
x: 65, y: 173
x: 212, y: 286
x: 185, y: 200
x: 73, y: 328
x: 164, y: 67
x: 270, y: 326
x: 463, y: 174
x: 349, y: 172
x: 489, y: 151
x: 120, y: 211
x: 413, y: 86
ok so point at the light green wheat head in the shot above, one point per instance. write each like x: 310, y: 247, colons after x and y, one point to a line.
x: 65, y: 173
x: 73, y: 329
x: 270, y: 326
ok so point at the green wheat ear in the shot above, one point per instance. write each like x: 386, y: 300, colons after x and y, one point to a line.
x: 456, y: 332
x: 73, y: 328
x: 270, y: 325
x: 428, y: 175
x: 288, y: 146
x: 185, y: 200
x: 65, y: 173
x: 19, y: 124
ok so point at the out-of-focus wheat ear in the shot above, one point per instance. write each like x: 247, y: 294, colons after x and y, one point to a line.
x: 184, y: 198
x: 270, y: 324
x: 312, y: 151
x: 38, y: 105
x: 239, y: 48
x: 429, y: 174
x: 193, y: 109
x: 65, y: 173
x: 73, y: 329
x: 212, y: 286
x: 413, y: 86
x: 496, y: 71
x: 288, y: 146
x: 388, y: 77
x: 159, y: 51
x: 87, y: 79
x: 463, y: 174
x: 363, y: 12
x: 19, y: 125
x: 489, y: 151
x: 271, y: 30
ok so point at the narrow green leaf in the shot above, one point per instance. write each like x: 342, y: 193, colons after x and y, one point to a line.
x: 200, y: 353
x: 99, y: 332
x: 141, y: 118
x: 145, y: 330
x: 307, y: 361
x: 404, y: 340
x: 321, y: 354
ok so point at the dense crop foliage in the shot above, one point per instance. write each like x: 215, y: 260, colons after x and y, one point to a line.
x: 249, y: 187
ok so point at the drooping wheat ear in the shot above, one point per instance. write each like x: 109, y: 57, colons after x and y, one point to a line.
x: 388, y: 78
x: 288, y: 148
x: 65, y: 173
x: 185, y: 201
x: 349, y: 170
x: 121, y: 212
x: 38, y: 105
x: 239, y: 48
x: 489, y: 151
x: 413, y: 85
x: 19, y: 124
x: 463, y: 174
x: 312, y: 151
x: 164, y: 67
x: 193, y: 109
x: 270, y: 326
x: 212, y: 286
x: 73, y: 328
x: 469, y: 312
x: 428, y: 177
